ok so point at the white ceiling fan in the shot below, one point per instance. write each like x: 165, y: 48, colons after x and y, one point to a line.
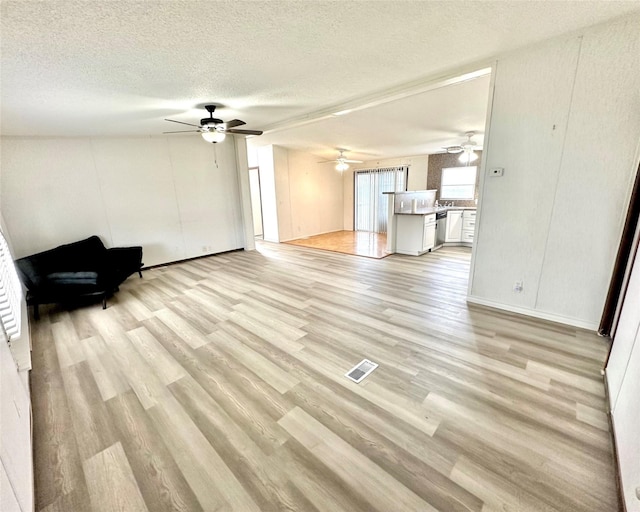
x: 342, y: 162
x: 466, y: 148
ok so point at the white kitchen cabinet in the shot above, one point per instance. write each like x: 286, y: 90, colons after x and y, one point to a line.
x: 454, y: 226
x: 468, y: 226
x: 415, y: 234
x: 429, y: 238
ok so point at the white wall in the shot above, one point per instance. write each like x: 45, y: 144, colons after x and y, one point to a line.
x: 315, y: 195
x: 166, y: 194
x: 244, y: 194
x: 16, y: 467
x: 15, y: 430
x: 348, y: 187
x: 416, y: 180
x: 300, y: 197
x: 268, y: 194
x: 256, y: 202
x: 283, y: 192
x: 565, y: 125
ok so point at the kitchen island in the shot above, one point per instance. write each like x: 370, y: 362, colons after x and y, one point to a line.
x: 416, y: 226
x: 416, y: 231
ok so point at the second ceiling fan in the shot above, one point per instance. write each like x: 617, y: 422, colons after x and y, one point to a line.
x: 466, y: 148
x: 343, y: 163
x: 215, y: 130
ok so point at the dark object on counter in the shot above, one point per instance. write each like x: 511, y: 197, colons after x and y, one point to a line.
x: 80, y: 269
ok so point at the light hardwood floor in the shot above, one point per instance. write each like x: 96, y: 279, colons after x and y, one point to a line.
x: 359, y: 243
x: 217, y: 385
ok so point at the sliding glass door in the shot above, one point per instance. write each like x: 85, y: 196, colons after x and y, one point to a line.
x: 371, y: 203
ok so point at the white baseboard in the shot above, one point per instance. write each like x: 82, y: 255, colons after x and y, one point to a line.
x: 574, y: 322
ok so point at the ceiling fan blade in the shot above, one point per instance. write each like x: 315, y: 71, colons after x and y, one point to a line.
x: 353, y: 161
x: 328, y: 162
x: 185, y: 131
x: 245, y: 132
x: 233, y: 123
x: 180, y: 122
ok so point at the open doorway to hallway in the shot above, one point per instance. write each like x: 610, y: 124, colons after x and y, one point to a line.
x: 256, y: 202
x: 308, y: 201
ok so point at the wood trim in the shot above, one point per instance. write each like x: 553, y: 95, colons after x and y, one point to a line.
x: 622, y: 506
x: 558, y: 319
x: 626, y: 250
x: 191, y: 259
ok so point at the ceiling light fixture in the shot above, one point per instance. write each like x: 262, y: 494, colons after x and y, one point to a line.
x: 342, y: 166
x: 468, y: 155
x: 213, y: 136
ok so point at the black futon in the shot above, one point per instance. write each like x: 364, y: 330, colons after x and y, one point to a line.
x: 79, y: 269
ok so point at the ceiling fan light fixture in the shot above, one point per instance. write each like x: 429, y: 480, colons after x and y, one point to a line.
x: 468, y: 156
x: 215, y: 130
x: 213, y: 136
x: 342, y: 166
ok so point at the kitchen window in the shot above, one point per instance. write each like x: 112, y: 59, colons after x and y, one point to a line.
x: 458, y: 182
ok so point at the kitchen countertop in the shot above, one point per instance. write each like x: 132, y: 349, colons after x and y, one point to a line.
x: 432, y: 209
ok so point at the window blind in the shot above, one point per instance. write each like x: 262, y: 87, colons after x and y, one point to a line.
x: 458, y: 182
x: 370, y: 201
x: 10, y: 293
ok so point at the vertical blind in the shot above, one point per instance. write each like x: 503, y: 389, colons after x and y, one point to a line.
x: 370, y: 201
x: 10, y: 293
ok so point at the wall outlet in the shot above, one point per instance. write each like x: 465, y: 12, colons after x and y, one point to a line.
x: 518, y: 287
x: 496, y: 172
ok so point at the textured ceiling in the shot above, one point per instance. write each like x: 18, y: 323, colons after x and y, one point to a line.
x: 87, y: 68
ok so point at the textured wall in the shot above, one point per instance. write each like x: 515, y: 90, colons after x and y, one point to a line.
x: 439, y: 161
x: 300, y: 197
x: 564, y: 126
x: 164, y: 193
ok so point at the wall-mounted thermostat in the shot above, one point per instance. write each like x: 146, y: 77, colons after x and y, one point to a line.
x: 496, y: 171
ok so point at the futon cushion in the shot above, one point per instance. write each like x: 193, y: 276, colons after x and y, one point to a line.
x: 87, y: 254
x: 74, y: 278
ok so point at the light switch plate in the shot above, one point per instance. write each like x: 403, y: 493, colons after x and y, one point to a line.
x: 496, y: 172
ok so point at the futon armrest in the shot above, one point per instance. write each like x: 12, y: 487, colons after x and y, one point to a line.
x: 30, y: 270
x: 130, y: 257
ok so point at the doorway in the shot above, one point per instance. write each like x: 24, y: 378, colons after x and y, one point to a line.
x: 256, y: 202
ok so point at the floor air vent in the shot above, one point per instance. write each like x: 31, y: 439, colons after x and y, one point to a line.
x: 361, y: 370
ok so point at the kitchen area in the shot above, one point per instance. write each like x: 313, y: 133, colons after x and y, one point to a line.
x: 418, y: 224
